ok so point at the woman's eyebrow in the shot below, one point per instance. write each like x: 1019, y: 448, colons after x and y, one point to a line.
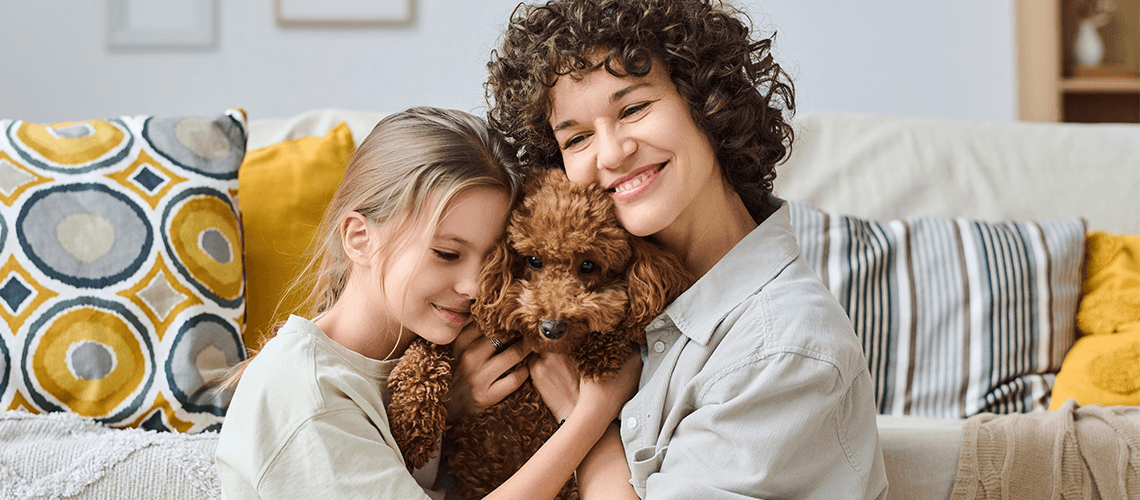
x: 623, y: 92
x: 613, y: 98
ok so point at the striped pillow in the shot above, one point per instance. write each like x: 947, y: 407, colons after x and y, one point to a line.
x: 956, y: 316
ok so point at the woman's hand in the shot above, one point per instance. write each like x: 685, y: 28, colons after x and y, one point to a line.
x: 480, y: 377
x: 556, y: 380
x: 562, y: 390
x: 611, y: 395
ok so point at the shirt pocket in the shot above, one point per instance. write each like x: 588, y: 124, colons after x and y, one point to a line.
x: 645, y: 462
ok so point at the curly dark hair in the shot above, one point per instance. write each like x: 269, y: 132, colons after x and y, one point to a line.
x: 736, y: 92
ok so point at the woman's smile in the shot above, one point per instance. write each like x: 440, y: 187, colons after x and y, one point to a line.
x: 636, y: 182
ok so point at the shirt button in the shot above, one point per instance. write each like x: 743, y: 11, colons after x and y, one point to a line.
x: 631, y: 422
x: 658, y: 324
x: 659, y: 346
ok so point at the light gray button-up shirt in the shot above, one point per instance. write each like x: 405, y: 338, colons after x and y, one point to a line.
x: 755, y: 386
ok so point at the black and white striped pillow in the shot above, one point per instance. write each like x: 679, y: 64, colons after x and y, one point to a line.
x: 956, y: 316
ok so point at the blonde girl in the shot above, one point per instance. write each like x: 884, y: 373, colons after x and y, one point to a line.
x: 423, y: 200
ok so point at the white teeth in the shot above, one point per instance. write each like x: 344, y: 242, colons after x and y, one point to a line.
x: 633, y: 183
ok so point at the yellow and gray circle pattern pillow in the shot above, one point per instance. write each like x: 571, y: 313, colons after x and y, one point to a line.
x: 121, y: 281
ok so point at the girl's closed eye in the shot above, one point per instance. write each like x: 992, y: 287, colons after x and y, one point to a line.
x: 445, y: 255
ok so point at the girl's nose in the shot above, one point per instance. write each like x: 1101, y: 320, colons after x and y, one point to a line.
x: 467, y: 283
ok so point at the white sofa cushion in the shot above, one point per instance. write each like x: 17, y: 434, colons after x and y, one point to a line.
x: 886, y: 167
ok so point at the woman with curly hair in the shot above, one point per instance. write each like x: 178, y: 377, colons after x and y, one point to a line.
x: 754, y: 383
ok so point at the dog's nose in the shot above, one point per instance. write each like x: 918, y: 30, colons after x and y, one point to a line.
x: 552, y: 329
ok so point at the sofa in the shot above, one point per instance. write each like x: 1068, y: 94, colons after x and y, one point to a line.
x: 924, y: 229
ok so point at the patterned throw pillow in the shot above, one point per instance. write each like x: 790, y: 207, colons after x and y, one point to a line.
x: 956, y: 316
x: 121, y: 280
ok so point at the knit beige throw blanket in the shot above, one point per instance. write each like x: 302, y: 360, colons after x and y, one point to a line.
x: 1074, y: 452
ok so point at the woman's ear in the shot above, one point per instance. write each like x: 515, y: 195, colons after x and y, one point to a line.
x: 358, y: 240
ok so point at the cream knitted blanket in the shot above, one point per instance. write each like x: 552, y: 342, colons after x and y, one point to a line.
x: 61, y: 455
x: 1074, y: 452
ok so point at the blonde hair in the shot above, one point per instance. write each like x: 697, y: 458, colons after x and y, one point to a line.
x: 413, y: 162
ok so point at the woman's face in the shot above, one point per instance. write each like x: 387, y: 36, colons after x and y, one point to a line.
x: 636, y: 137
x: 430, y: 281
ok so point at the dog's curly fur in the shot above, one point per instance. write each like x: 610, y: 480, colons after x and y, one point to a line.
x: 565, y: 261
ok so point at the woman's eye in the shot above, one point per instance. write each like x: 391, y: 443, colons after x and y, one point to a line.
x: 588, y: 267
x: 573, y: 141
x: 534, y: 263
x: 634, y: 109
x: 448, y: 256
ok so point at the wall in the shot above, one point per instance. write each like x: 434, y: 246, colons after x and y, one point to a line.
x: 944, y: 59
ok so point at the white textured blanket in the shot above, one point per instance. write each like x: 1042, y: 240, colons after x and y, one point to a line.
x: 62, y: 455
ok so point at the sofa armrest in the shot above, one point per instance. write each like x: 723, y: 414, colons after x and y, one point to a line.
x: 921, y: 456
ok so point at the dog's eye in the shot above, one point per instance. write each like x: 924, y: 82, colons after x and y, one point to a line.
x: 534, y: 263
x: 588, y: 267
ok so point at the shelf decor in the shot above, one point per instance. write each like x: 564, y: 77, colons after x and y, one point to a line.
x: 1088, y: 47
x: 1078, y: 60
x: 332, y: 13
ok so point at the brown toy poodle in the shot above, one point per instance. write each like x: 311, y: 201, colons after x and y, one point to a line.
x: 566, y: 278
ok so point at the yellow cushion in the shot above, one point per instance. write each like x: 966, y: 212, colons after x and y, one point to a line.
x: 1111, y: 291
x: 1101, y: 369
x: 283, y: 190
x: 1103, y: 366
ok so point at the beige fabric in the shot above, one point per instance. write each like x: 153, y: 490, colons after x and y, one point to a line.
x: 887, y: 167
x: 1072, y: 453
x: 921, y: 456
x: 267, y: 131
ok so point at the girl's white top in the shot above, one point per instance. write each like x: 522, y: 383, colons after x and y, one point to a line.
x: 308, y: 421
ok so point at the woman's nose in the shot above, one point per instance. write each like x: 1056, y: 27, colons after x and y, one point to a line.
x: 613, y: 148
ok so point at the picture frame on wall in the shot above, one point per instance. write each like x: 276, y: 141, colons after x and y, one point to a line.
x: 162, y: 24
x: 345, y: 12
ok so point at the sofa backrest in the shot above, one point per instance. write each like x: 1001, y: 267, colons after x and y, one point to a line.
x: 884, y: 167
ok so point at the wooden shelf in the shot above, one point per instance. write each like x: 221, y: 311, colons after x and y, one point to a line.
x: 1108, y: 85
x: 1050, y: 86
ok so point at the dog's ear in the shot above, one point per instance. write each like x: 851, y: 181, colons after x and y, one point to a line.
x: 655, y: 277
x: 494, y: 296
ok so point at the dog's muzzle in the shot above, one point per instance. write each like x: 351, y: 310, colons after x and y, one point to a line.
x: 552, y: 329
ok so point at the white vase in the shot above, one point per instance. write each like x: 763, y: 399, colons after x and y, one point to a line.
x: 1088, y: 48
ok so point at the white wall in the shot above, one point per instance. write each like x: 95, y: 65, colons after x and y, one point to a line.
x: 944, y: 59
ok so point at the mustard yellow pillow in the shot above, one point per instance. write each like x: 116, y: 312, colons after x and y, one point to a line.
x: 283, y: 190
x: 1102, y: 370
x: 1103, y: 366
x: 1111, y: 291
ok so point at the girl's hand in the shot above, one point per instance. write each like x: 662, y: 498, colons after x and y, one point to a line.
x: 480, y: 377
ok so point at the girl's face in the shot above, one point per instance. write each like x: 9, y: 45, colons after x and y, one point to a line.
x: 431, y: 281
x: 636, y: 137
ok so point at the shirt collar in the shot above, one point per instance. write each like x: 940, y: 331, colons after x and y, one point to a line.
x: 746, y: 268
